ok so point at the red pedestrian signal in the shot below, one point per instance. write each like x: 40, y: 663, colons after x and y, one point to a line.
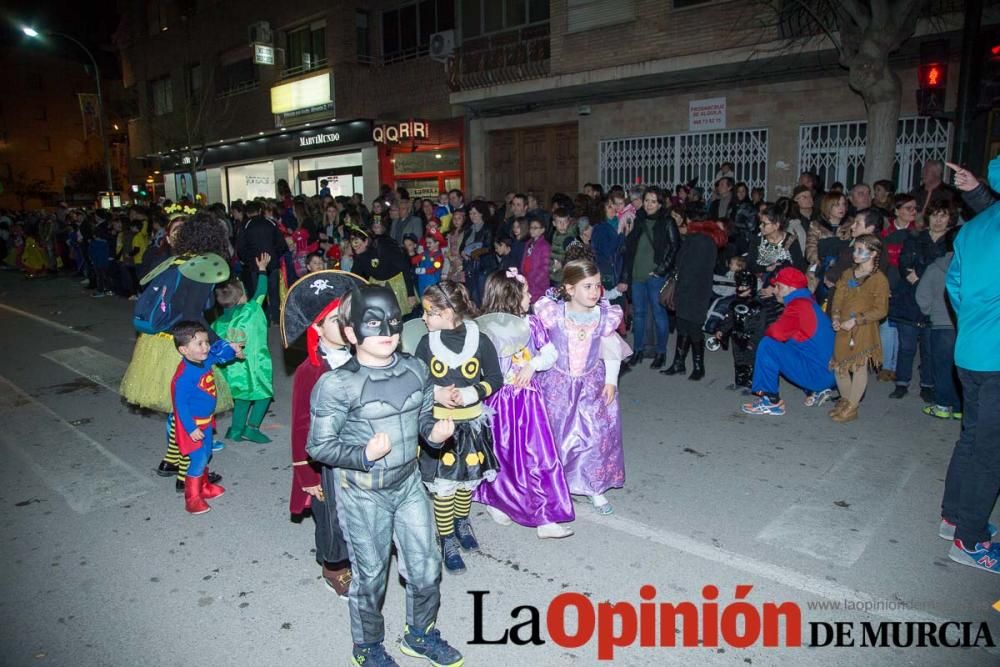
x: 933, y: 76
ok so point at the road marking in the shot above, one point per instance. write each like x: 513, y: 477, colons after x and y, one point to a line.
x: 95, y: 365
x: 50, y: 323
x: 68, y: 461
x: 996, y: 605
x: 865, y: 488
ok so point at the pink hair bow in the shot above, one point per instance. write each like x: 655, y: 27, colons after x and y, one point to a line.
x: 512, y: 273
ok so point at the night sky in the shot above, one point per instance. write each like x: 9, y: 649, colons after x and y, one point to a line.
x: 92, y: 22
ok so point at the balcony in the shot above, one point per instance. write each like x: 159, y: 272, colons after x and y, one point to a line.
x: 500, y: 58
x: 296, y: 70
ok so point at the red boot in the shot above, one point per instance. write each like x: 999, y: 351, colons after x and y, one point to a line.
x: 209, y: 490
x: 193, y: 500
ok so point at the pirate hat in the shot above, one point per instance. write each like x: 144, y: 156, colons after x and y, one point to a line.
x: 310, y: 297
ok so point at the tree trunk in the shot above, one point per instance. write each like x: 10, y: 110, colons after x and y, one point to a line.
x: 880, y: 88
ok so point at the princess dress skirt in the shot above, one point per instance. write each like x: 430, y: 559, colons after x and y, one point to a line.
x: 530, y: 486
x: 33, y: 258
x: 150, y: 373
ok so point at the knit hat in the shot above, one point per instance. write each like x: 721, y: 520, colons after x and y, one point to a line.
x: 791, y: 277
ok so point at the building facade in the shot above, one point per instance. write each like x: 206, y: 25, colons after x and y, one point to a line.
x: 662, y: 92
x: 232, y: 99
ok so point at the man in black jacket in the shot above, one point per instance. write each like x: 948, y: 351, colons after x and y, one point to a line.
x: 260, y: 235
x: 650, y: 249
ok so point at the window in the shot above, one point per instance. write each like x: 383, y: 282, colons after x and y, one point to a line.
x: 407, y: 30
x: 362, y: 36
x: 163, y: 98
x: 306, y: 47
x: 44, y: 143
x: 239, y: 76
x: 590, y: 14
x: 194, y: 82
x: 681, y: 4
x: 481, y: 17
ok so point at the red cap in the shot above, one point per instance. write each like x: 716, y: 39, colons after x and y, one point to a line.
x: 791, y: 277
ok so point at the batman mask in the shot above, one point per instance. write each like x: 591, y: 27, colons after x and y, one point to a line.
x: 375, y: 312
x: 746, y: 279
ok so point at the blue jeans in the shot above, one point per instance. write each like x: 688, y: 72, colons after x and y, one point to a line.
x: 943, y: 357
x: 646, y: 296
x: 970, y: 489
x: 890, y: 345
x: 909, y: 337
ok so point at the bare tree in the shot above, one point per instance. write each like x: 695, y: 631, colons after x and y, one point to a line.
x: 864, y: 33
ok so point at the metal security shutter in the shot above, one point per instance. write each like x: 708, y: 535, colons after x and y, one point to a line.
x: 586, y: 15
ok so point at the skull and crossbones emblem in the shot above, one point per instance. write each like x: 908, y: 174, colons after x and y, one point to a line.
x: 320, y: 285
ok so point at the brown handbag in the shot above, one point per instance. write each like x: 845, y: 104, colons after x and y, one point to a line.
x: 668, y: 292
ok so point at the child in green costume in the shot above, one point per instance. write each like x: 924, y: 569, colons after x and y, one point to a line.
x: 244, y: 322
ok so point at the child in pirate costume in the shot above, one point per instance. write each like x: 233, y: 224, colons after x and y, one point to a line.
x: 465, y: 369
x: 313, y: 307
x: 367, y: 419
x: 244, y: 322
x: 180, y: 288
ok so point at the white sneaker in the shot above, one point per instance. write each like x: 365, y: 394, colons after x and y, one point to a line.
x: 498, y: 516
x: 553, y: 531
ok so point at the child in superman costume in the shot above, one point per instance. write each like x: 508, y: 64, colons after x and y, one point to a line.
x: 193, y: 394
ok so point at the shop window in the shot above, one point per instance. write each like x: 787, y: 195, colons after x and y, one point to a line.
x: 420, y: 162
x: 362, y: 36
x: 407, y: 30
x: 306, y: 48
x: 482, y: 17
x: 162, y: 94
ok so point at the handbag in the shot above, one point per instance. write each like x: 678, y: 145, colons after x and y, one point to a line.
x: 668, y: 293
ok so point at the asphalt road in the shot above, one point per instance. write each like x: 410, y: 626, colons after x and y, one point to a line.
x: 102, y: 566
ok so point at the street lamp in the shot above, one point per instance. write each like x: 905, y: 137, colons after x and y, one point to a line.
x: 31, y: 32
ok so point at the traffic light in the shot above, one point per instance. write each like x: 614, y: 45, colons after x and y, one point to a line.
x: 932, y: 78
x: 989, y: 82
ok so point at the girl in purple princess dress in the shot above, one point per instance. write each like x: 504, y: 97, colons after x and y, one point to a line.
x: 581, y: 390
x: 530, y: 487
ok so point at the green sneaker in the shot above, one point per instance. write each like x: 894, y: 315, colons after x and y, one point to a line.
x: 956, y: 415
x: 939, y: 411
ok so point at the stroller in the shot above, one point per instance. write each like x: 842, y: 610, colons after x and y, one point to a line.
x: 717, y: 313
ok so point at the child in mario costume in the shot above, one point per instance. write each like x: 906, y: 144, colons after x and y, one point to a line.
x: 799, y: 346
x: 313, y: 308
x: 193, y: 394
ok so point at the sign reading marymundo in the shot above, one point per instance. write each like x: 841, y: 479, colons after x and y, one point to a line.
x: 396, y: 132
x: 333, y: 136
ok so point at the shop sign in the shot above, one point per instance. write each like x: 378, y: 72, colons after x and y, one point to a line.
x: 320, y: 139
x: 391, y: 134
x: 707, y: 114
x: 306, y: 93
x: 263, y: 54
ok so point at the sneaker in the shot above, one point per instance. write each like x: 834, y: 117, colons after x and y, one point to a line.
x: 498, y: 516
x: 451, y: 554
x: 983, y: 555
x: 372, y: 656
x: 98, y: 295
x: 818, y: 398
x: 764, y: 406
x: 899, y: 392
x: 430, y: 645
x: 956, y: 415
x: 133, y: 298
x: 939, y: 411
x: 946, y: 530
x: 218, y: 445
x: 927, y: 394
x: 463, y: 530
x: 338, y: 580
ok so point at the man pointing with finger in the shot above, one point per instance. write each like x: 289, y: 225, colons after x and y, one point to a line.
x: 367, y: 418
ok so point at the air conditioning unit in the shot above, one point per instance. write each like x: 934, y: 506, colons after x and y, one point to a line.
x: 260, y: 33
x: 442, y: 45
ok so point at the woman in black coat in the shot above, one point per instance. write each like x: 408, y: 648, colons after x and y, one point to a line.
x: 693, y: 296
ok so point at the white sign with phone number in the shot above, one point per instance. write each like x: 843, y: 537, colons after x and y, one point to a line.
x: 707, y: 114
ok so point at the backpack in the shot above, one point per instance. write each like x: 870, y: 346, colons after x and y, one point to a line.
x: 153, y: 311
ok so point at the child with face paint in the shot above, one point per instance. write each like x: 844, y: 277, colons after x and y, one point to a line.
x: 465, y: 369
x: 860, y: 302
x: 368, y: 416
x: 581, y: 390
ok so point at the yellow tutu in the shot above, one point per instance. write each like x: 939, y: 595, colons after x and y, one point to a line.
x: 149, y: 374
x: 33, y: 259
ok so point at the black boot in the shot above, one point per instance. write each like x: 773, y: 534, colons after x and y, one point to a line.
x: 698, y: 357
x: 658, y: 360
x: 683, y: 343
x: 635, y: 358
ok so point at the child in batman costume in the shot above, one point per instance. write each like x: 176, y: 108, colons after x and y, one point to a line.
x: 314, y: 307
x: 745, y: 321
x: 367, y: 419
x: 465, y: 370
